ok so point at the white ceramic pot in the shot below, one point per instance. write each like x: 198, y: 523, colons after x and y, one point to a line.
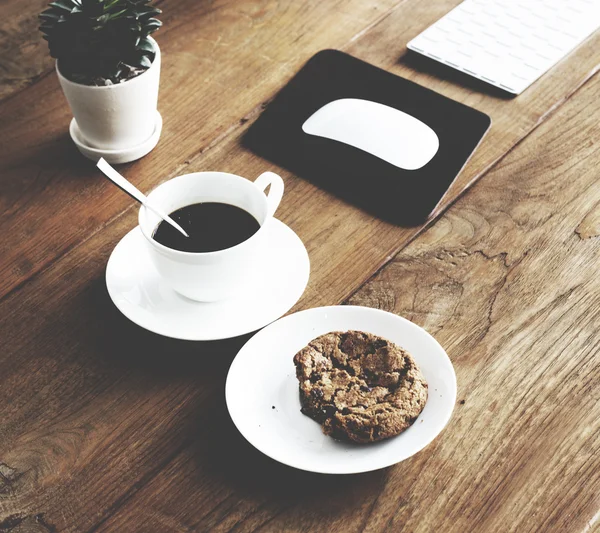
x: 115, y: 117
x: 212, y: 276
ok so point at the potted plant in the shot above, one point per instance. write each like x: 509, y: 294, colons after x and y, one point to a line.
x: 108, y: 67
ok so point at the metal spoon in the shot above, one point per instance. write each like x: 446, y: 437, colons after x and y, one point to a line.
x: 135, y: 193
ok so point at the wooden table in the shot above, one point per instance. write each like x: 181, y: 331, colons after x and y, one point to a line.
x: 106, y: 427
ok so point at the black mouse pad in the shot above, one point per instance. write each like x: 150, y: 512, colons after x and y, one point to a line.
x: 404, y: 197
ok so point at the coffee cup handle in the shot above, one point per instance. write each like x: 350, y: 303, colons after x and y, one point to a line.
x: 276, y: 192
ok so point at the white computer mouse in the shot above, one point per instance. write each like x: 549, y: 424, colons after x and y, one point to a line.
x: 390, y: 134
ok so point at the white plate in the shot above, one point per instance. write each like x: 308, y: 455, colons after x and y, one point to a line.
x: 263, y: 400
x: 143, y: 296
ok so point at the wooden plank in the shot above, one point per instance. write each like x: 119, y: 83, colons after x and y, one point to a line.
x: 323, y: 221
x: 46, y: 193
x: 229, y: 55
x: 94, y: 410
x: 507, y: 284
x: 507, y: 281
x: 39, y: 156
x: 23, y: 53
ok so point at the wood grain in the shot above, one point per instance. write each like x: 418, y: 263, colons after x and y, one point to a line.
x: 230, y: 56
x: 45, y: 194
x: 23, y: 53
x: 507, y: 284
x: 509, y: 287
x: 106, y: 426
x: 40, y: 167
x: 323, y: 220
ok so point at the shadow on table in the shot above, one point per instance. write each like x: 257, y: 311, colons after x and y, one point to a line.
x: 426, y: 65
x: 225, y: 455
x: 217, y: 448
x: 129, y: 346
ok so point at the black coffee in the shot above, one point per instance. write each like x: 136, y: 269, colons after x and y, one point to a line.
x: 211, y: 226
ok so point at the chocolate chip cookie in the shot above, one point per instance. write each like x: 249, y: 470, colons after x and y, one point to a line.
x: 358, y: 386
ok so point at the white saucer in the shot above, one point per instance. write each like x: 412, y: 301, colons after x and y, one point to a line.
x: 263, y: 400
x: 116, y: 157
x: 144, y: 297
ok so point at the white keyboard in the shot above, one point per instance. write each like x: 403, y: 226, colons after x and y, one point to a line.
x: 508, y: 43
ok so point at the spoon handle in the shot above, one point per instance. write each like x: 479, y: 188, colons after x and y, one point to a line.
x: 135, y: 193
x: 121, y: 182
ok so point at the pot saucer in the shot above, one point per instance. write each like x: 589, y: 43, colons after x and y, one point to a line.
x: 124, y: 155
x: 138, y: 291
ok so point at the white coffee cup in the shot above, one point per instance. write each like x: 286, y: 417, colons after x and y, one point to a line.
x: 212, y: 276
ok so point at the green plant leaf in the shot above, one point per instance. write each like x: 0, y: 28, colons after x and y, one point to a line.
x: 152, y: 25
x: 50, y: 16
x: 142, y: 62
x: 148, y: 12
x: 110, y: 4
x: 145, y: 44
x: 62, y: 4
x: 46, y: 28
x: 113, y: 16
x: 98, y: 40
